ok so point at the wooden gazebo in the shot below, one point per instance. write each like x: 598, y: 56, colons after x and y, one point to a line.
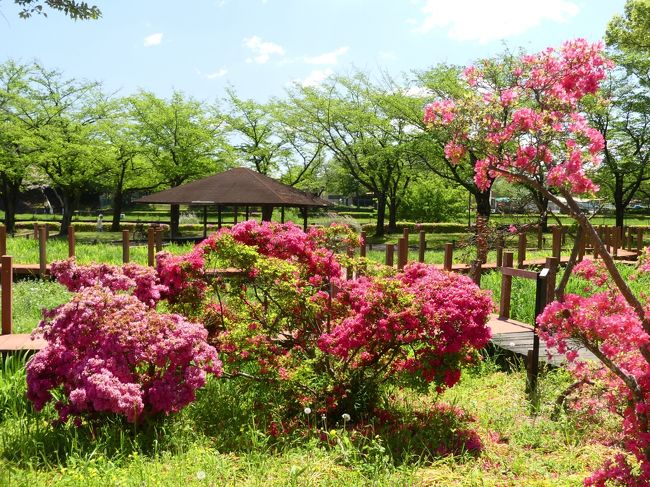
x: 238, y: 188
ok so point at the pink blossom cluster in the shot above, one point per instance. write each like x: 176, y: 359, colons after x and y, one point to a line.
x: 421, y: 322
x: 183, y: 276
x: 142, y: 281
x: 111, y: 353
x: 532, y: 124
x: 593, y: 271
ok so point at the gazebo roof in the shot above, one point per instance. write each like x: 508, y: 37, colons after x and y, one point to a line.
x: 236, y: 187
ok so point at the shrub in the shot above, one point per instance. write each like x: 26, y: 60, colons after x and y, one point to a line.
x: 322, y: 341
x: 602, y: 321
x: 113, y: 353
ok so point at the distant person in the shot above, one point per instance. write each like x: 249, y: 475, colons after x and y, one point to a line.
x: 100, y: 223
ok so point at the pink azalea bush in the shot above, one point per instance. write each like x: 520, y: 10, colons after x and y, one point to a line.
x: 290, y: 320
x: 110, y: 351
x: 142, y: 281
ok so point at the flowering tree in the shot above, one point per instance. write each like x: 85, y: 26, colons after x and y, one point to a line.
x: 533, y: 133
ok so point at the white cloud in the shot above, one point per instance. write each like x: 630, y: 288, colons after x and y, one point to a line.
x: 262, y: 50
x: 328, y: 57
x: 219, y: 73
x: 153, y: 39
x: 316, y: 77
x: 484, y: 21
x: 387, y: 55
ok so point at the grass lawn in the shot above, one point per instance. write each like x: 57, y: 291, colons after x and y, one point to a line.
x: 219, y: 440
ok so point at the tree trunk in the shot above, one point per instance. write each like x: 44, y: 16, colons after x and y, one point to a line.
x: 10, y: 192
x: 619, y: 205
x: 392, y: 216
x: 381, y: 214
x: 267, y: 213
x: 117, y: 210
x: 483, y: 211
x: 70, y: 204
x: 175, y: 215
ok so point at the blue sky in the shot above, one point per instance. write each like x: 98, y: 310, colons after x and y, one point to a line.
x: 262, y: 46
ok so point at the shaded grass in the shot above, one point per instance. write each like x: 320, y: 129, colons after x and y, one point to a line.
x: 221, y: 439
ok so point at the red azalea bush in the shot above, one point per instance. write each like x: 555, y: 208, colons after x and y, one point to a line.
x: 290, y: 320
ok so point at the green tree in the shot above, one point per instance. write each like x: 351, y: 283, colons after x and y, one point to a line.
x: 127, y: 170
x: 72, y: 8
x: 70, y: 150
x: 433, y: 199
x: 347, y: 117
x: 18, y: 144
x: 624, y: 122
x: 180, y: 138
x: 629, y: 34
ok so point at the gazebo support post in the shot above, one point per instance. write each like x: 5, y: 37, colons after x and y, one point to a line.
x: 205, y: 221
x: 304, y: 218
x: 219, y: 217
x: 235, y: 211
x: 282, y: 215
x: 247, y: 212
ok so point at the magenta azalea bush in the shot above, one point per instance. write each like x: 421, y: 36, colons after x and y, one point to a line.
x: 292, y: 321
x: 600, y: 320
x: 110, y: 351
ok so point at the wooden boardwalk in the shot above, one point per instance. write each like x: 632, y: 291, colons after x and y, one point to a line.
x: 517, y: 337
x: 20, y: 342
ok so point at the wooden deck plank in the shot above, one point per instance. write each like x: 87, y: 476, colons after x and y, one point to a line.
x: 517, y: 337
x: 20, y: 341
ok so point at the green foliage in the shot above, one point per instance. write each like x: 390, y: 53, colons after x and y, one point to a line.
x: 72, y: 8
x: 629, y: 34
x: 433, y: 200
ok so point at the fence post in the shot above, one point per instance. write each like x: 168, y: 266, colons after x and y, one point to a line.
x: 476, y: 271
x: 42, y: 250
x: 630, y: 239
x: 125, y: 246
x: 150, y: 246
x: 158, y: 238
x: 552, y: 265
x: 557, y: 242
x: 449, y: 256
x: 3, y: 240
x: 72, y: 240
x: 540, y: 237
x: 533, y: 355
x: 402, y: 252
x: 362, y: 245
x: 506, y: 288
x: 390, y: 250
x: 7, y: 283
x: 639, y: 240
x: 422, y: 247
x: 521, y: 250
